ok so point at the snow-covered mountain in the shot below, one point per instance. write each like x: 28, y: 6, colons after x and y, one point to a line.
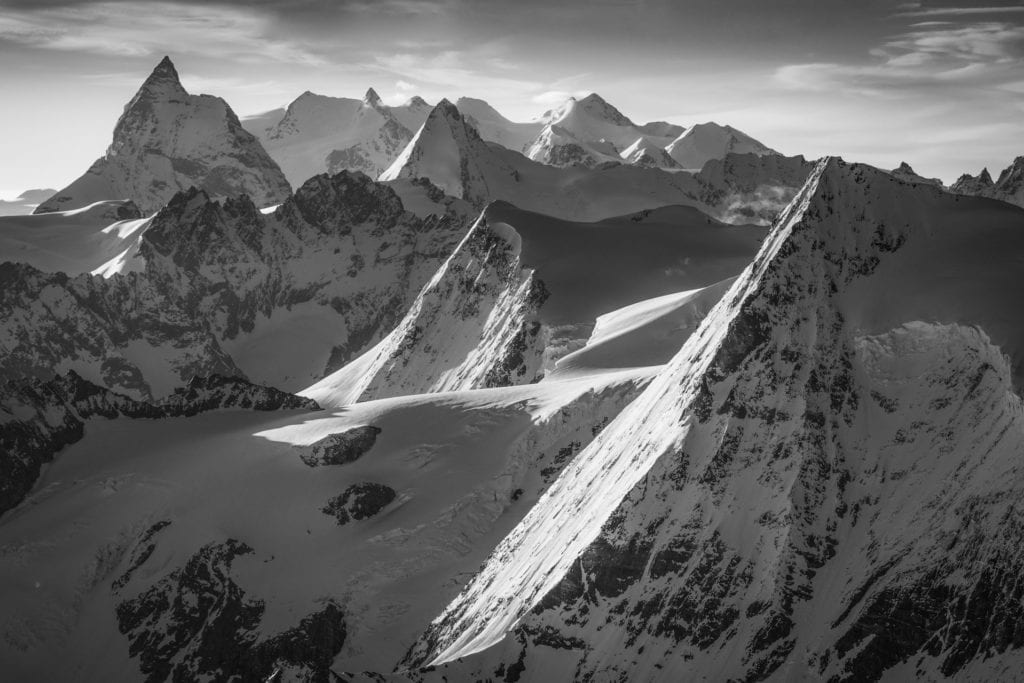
x: 1008, y: 188
x: 590, y: 131
x: 77, y: 241
x: 819, y: 486
x: 520, y: 291
x: 706, y: 141
x: 318, y: 134
x: 167, y: 141
x: 25, y: 203
x: 494, y: 127
x: 450, y: 152
x: 219, y: 288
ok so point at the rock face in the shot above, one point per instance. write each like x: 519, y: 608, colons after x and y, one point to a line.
x: 167, y: 141
x: 220, y: 285
x: 38, y: 418
x: 197, y: 622
x: 792, y: 497
x: 474, y: 325
x: 1008, y: 188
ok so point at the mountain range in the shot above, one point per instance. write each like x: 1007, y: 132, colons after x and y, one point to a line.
x: 356, y: 392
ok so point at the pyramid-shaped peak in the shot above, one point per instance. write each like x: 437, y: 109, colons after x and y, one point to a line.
x: 985, y: 176
x: 164, y: 77
x: 904, y: 167
x: 446, y: 110
x: 371, y: 98
x: 416, y: 101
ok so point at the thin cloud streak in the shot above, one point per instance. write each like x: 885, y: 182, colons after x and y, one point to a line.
x: 124, y: 29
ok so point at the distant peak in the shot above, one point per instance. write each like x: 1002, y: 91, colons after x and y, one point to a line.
x: 985, y: 176
x: 163, y: 76
x: 445, y: 109
x: 592, y: 98
x: 371, y: 98
x: 416, y: 101
x: 904, y: 167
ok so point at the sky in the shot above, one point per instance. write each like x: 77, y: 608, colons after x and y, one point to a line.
x: 936, y: 83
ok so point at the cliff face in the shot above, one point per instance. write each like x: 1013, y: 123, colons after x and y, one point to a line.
x: 792, y: 497
x: 220, y: 286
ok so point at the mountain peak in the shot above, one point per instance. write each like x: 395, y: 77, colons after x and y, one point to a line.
x: 371, y: 98
x: 164, y: 77
x: 416, y: 101
x: 446, y: 110
x: 597, y: 106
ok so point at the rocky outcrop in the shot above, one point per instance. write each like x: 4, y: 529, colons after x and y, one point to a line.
x: 813, y: 501
x: 359, y: 501
x: 167, y: 141
x: 342, y: 248
x: 341, y: 448
x: 1009, y: 187
x: 197, y: 622
x: 39, y: 418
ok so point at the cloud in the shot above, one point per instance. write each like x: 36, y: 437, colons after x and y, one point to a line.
x: 127, y: 29
x: 932, y: 55
x: 451, y: 67
x: 554, y: 97
x: 915, y: 10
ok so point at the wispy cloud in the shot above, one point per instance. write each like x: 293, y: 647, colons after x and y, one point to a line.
x: 931, y: 55
x: 126, y: 29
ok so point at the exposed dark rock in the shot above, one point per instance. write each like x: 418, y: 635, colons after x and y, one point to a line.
x: 359, y: 501
x: 341, y: 448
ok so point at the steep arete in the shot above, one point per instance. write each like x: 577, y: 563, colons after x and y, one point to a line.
x: 813, y: 489
x: 167, y: 141
x: 474, y: 325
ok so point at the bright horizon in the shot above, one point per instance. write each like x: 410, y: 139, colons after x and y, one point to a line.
x: 939, y: 85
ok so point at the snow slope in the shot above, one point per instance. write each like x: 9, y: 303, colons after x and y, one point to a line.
x: 168, y: 140
x: 813, y: 488
x: 73, y: 242
x: 522, y: 287
x: 320, y: 134
x: 706, y: 141
x: 24, y: 203
x: 217, y: 550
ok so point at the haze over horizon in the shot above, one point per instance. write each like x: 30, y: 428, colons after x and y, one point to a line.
x: 937, y: 84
